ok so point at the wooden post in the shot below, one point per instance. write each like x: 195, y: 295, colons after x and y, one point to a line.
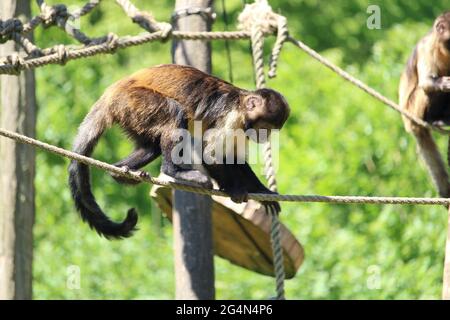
x: 192, y: 225
x: 446, y: 282
x: 17, y: 168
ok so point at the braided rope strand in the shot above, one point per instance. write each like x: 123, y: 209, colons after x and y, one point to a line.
x: 277, y: 250
x: 282, y: 36
x: 123, y: 42
x: 186, y: 186
x: 361, y: 85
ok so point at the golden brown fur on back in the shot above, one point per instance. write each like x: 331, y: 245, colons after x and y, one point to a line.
x: 179, y: 83
x: 140, y: 101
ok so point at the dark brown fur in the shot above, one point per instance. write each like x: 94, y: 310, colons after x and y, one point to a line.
x: 149, y: 106
x: 425, y: 92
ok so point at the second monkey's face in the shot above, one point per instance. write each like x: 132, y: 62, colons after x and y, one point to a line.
x: 266, y: 109
x: 442, y: 28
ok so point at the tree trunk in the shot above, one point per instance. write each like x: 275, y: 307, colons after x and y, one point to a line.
x: 17, y: 168
x: 193, y: 247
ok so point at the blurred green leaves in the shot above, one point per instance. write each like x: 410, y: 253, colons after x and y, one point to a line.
x: 338, y: 141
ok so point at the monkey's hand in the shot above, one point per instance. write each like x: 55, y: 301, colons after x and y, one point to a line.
x: 122, y: 180
x: 237, y: 194
x: 444, y: 84
x: 271, y: 206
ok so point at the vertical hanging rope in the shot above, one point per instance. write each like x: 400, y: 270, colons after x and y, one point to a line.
x: 277, y: 250
x: 282, y: 36
x: 227, y: 43
x: 257, y: 38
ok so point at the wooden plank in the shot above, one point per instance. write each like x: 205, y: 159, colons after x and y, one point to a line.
x: 17, y: 168
x: 241, y: 234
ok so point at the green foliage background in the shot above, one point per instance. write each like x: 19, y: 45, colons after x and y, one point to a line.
x: 338, y: 141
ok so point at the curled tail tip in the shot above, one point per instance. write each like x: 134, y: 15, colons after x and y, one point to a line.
x: 125, y: 229
x: 130, y: 222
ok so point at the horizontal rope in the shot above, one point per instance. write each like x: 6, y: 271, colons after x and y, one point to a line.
x: 60, y: 54
x: 109, y: 46
x: 186, y: 186
x: 358, y: 83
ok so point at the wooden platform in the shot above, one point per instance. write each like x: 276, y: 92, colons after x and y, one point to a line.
x: 242, y: 234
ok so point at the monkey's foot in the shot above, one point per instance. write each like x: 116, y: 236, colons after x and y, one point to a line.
x: 195, y: 177
x: 237, y: 195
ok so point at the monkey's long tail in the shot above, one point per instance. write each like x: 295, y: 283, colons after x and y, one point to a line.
x: 93, y: 126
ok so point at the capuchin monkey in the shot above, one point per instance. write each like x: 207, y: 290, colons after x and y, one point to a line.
x: 150, y: 106
x: 425, y: 92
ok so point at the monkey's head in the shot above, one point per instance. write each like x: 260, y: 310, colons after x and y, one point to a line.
x: 265, y: 109
x: 442, y: 29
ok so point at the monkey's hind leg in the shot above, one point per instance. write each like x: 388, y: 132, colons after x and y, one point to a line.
x: 139, y: 158
x: 181, y: 170
x: 429, y: 152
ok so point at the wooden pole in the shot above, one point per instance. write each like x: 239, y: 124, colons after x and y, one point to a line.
x: 446, y: 282
x: 17, y: 168
x: 192, y: 225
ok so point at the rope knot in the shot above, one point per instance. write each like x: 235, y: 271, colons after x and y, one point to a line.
x: 9, y: 28
x: 16, y: 61
x: 259, y: 17
x: 62, y: 53
x: 51, y: 14
x: 112, y: 41
x: 166, y: 30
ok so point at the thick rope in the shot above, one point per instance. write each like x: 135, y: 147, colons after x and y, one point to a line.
x: 358, y: 83
x: 88, y: 7
x: 186, y: 186
x: 257, y: 38
x: 277, y: 250
x: 142, y: 18
x: 110, y: 47
x: 282, y: 36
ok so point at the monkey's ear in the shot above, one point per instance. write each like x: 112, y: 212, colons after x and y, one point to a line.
x: 253, y: 101
x: 440, y: 27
